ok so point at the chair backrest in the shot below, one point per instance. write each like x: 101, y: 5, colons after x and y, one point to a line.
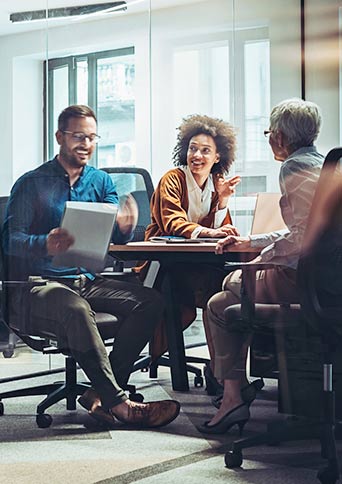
x: 34, y: 342
x: 320, y: 266
x: 137, y: 182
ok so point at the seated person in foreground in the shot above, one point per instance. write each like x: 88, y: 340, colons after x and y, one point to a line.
x: 191, y: 201
x: 32, y: 237
x: 294, y: 126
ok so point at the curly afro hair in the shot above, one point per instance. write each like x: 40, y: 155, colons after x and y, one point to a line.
x: 223, y: 133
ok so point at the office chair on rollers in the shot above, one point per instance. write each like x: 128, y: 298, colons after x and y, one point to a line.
x: 306, y: 384
x: 45, y: 342
x: 138, y: 182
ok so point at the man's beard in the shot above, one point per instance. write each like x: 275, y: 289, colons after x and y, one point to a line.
x: 71, y: 159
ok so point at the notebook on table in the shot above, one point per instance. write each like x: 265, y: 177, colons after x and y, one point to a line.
x: 172, y: 239
x: 91, y: 224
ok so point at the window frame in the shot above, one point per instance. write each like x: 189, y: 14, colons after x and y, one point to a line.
x: 71, y: 63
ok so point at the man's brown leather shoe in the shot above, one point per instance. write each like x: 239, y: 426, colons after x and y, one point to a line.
x: 150, y: 415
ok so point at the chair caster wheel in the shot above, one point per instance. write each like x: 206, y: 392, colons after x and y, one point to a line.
x: 44, y: 420
x: 136, y: 397
x: 233, y: 458
x: 2, y: 409
x: 328, y: 475
x: 198, y: 381
x: 8, y: 353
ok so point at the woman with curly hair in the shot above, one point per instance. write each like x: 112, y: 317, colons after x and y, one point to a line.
x: 191, y: 201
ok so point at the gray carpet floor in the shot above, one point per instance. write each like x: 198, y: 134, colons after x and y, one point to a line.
x: 76, y: 450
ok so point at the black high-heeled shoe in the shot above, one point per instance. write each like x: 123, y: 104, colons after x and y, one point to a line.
x: 237, y: 416
x: 248, y: 393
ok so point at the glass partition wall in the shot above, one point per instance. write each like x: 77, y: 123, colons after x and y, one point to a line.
x: 143, y: 65
x: 217, y: 58
x: 23, y: 49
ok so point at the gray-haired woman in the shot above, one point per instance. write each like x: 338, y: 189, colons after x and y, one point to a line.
x: 294, y: 127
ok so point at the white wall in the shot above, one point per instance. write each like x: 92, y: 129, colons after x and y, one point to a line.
x: 28, y: 119
x: 322, y: 67
x: 21, y: 98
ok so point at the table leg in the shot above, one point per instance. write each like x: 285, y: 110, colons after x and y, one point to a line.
x: 175, y: 338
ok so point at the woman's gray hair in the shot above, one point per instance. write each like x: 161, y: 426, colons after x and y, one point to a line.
x: 299, y: 121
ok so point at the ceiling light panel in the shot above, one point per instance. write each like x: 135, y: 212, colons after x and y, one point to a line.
x: 64, y: 12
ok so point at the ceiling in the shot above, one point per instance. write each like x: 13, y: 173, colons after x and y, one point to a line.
x: 10, y: 6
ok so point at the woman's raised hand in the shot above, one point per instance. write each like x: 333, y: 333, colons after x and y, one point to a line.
x: 226, y: 188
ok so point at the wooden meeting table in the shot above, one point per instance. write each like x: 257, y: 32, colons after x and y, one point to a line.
x: 166, y: 255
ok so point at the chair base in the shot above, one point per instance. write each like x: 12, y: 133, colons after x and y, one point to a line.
x: 165, y: 361
x: 293, y: 429
x: 69, y: 389
x: 55, y: 392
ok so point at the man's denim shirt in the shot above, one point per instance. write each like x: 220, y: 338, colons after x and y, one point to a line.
x: 36, y: 206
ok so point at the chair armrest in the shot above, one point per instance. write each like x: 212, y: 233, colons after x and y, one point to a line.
x: 22, y: 284
x: 249, y: 266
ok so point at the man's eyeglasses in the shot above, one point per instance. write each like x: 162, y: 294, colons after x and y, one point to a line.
x: 267, y: 132
x: 80, y: 137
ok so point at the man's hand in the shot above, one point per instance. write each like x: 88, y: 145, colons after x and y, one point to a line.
x: 242, y: 243
x: 127, y: 216
x: 58, y: 241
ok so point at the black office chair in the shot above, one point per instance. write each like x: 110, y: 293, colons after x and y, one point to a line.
x: 138, y: 182
x: 45, y: 342
x: 308, y: 334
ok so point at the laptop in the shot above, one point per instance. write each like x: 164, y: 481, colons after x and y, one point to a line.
x: 91, y: 224
x: 267, y: 215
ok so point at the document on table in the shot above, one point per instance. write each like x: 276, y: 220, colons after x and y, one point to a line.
x: 171, y: 239
x: 91, y: 224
